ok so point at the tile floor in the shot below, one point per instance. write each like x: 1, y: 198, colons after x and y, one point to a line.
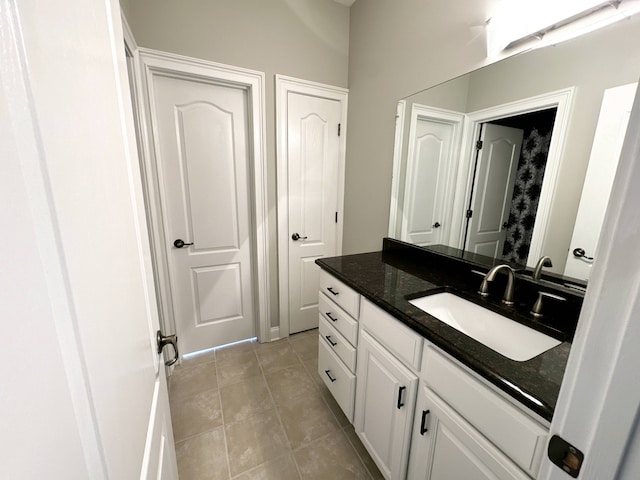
x: 261, y: 411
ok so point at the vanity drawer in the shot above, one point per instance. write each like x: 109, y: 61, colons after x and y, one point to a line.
x: 338, y: 379
x: 338, y: 318
x: 519, y: 436
x: 403, y: 342
x: 337, y: 291
x: 338, y: 344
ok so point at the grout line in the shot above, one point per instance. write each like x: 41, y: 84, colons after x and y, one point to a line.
x: 224, y: 430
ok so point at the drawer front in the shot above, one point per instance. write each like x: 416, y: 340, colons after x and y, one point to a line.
x: 337, y: 291
x: 338, y: 318
x: 338, y: 344
x: 403, y: 342
x: 338, y: 379
x: 520, y: 437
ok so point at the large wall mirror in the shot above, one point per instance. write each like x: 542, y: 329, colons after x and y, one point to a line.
x: 516, y: 160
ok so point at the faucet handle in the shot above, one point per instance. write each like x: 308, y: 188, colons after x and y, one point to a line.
x: 536, y: 310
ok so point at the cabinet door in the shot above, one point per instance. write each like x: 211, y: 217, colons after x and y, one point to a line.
x: 385, y: 400
x: 444, y: 446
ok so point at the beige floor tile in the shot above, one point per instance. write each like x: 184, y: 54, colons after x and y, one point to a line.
x: 343, y: 421
x: 330, y: 458
x: 187, y: 381
x: 301, y: 335
x: 311, y: 365
x: 238, y: 368
x: 226, y: 354
x: 277, y: 357
x: 366, y: 459
x: 289, y: 383
x: 283, y: 468
x: 305, y: 418
x: 255, y: 440
x: 195, y: 414
x: 203, y: 457
x: 199, y: 359
x: 243, y: 399
x: 306, y: 347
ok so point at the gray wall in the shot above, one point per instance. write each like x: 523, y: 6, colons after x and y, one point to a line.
x: 396, y: 49
x: 306, y: 39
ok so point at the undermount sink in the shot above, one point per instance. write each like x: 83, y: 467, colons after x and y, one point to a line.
x: 505, y: 336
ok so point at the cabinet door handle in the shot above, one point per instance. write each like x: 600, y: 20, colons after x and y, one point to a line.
x: 331, y: 318
x: 328, y: 372
x: 423, y: 424
x: 400, y: 403
x: 328, y: 337
x: 333, y: 292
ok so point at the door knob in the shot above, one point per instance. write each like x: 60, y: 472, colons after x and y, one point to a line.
x: 179, y: 243
x: 295, y: 237
x: 163, y: 341
x: 436, y: 225
x: 580, y: 253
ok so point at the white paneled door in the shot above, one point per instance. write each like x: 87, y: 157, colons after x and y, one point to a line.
x: 201, y: 143
x: 495, y: 175
x: 434, y: 142
x: 313, y: 204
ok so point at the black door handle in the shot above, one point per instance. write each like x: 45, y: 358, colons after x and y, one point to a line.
x: 295, y: 237
x: 580, y: 253
x: 179, y: 243
x: 423, y: 423
x: 163, y: 341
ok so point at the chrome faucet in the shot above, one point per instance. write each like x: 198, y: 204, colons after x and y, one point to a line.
x: 543, y: 262
x: 507, y: 298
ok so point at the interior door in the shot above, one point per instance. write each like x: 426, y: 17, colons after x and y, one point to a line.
x: 427, y: 180
x: 313, y: 152
x: 201, y: 133
x: 603, y: 163
x: 495, y: 176
x: 89, y: 400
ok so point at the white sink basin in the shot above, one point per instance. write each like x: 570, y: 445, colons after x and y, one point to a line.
x: 505, y: 336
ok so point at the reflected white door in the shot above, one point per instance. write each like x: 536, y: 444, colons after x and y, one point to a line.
x: 495, y: 176
x: 203, y: 160
x: 603, y: 163
x: 433, y: 145
x: 313, y: 152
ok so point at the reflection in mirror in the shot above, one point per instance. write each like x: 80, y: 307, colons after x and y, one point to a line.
x: 495, y: 162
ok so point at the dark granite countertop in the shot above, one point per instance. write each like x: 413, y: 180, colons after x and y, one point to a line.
x: 389, y: 278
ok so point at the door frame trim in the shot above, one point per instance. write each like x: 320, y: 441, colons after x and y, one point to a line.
x: 284, y: 86
x: 560, y: 99
x: 153, y: 62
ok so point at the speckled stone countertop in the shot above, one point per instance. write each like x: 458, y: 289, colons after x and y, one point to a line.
x: 391, y: 277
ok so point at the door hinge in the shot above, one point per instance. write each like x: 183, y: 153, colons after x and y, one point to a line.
x: 336, y: 217
x: 339, y: 126
x: 469, y: 213
x: 479, y: 145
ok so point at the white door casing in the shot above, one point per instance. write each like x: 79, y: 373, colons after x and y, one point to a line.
x: 311, y: 144
x: 222, y: 279
x: 562, y: 101
x: 434, y: 147
x: 495, y: 175
x: 84, y: 223
x: 603, y: 163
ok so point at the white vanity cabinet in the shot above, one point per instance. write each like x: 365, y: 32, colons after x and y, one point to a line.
x: 339, y: 308
x: 463, y: 429
x: 386, y: 388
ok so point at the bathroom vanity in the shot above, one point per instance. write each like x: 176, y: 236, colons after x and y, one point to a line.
x: 428, y: 401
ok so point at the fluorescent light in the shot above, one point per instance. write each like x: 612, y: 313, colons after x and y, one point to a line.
x: 521, y: 24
